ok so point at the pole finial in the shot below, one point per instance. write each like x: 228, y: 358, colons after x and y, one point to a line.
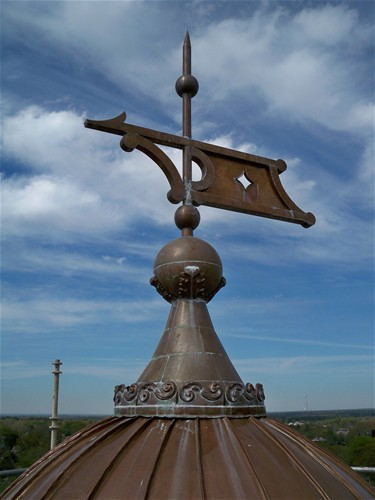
x: 187, y: 87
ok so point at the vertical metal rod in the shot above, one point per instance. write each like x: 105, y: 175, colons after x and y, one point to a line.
x: 55, y: 402
x: 186, y: 112
x: 187, y: 87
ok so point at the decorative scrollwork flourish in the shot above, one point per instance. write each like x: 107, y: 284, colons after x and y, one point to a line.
x: 213, y: 392
x: 207, y: 168
x: 146, y: 391
x: 160, y: 289
x: 131, y: 141
x: 166, y: 391
x: 125, y: 393
x: 234, y: 392
x: 189, y: 391
x: 220, y: 167
x: 192, y: 283
x: 221, y: 285
x: 196, y: 393
x: 117, y: 397
x: 260, y: 393
x: 130, y: 392
x: 250, y: 392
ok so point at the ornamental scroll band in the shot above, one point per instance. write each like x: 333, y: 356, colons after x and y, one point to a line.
x: 222, y: 170
x: 190, y: 393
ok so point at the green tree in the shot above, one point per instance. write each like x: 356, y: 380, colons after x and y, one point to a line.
x: 8, y: 440
x: 361, y: 452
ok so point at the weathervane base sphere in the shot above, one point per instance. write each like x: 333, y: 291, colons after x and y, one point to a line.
x: 188, y: 268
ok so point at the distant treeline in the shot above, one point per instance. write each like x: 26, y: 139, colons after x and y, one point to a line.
x: 280, y: 415
x: 320, y: 414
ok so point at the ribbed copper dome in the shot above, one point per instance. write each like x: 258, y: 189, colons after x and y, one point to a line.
x: 165, y: 458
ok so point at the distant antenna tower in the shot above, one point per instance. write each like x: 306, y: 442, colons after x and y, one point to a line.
x: 306, y: 403
x: 55, y: 401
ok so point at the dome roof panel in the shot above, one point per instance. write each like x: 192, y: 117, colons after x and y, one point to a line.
x: 169, y: 458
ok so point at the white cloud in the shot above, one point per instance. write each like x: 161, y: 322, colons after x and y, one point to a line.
x: 54, y: 260
x: 44, y: 314
x: 305, y: 63
x: 98, y: 368
x: 45, y: 195
x: 289, y: 66
x: 46, y: 140
x: 81, y: 185
x: 113, y: 369
x: 329, y: 24
x: 18, y: 369
x: 295, y: 341
x: 358, y: 363
x: 279, y: 54
x: 76, y: 183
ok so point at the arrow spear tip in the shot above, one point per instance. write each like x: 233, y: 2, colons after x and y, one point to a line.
x: 187, y: 38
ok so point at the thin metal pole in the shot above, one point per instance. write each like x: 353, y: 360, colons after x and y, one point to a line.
x: 55, y: 402
x: 186, y: 111
x: 186, y: 86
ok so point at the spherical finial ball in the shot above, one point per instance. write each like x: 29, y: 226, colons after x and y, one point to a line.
x: 188, y: 268
x: 187, y: 84
x: 187, y: 216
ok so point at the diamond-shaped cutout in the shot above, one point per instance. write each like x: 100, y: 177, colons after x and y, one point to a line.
x: 244, y: 180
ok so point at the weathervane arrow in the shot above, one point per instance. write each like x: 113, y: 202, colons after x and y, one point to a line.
x: 222, y: 168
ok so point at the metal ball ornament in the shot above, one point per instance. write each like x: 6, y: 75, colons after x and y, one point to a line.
x: 187, y: 84
x: 187, y: 216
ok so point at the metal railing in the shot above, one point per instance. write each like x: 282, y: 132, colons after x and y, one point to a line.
x: 12, y: 472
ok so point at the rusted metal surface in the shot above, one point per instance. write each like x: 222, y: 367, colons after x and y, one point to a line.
x: 224, y: 458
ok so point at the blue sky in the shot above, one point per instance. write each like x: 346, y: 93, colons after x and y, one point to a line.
x: 82, y: 221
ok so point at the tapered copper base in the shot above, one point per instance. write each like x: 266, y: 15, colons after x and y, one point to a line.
x: 190, y: 374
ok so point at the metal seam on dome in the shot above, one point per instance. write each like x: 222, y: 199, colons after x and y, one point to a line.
x: 291, y: 456
x: 231, y: 429
x: 229, y: 450
x: 82, y: 452
x: 198, y: 457
x: 145, y: 423
x: 172, y: 354
x: 108, y: 469
x: 195, y: 261
x: 157, y: 460
x: 317, y: 456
